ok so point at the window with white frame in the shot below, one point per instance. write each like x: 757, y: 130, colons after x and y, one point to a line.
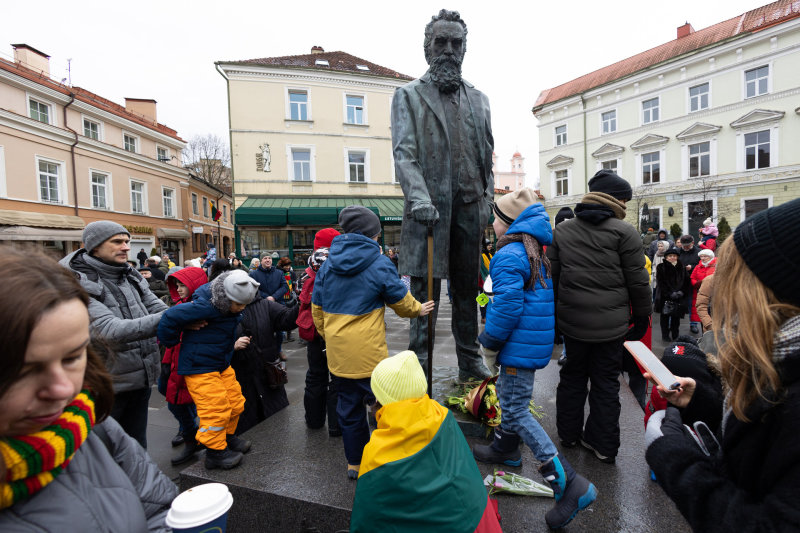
x: 561, y: 135
x: 298, y: 105
x: 611, y: 165
x: 700, y: 159
x: 225, y: 212
x: 91, y: 129
x: 354, y: 109
x: 130, y: 143
x: 562, y: 182
x: 356, y: 165
x: 205, y: 207
x: 137, y: 197
x: 301, y: 164
x: 756, y: 81
x: 698, y: 97
x: 650, y: 111
x: 39, y: 110
x: 50, y: 181
x: 751, y: 206
x: 162, y: 154
x: 194, y: 204
x: 168, y: 201
x: 756, y: 150
x: 100, y: 186
x: 609, y: 121
x: 651, y: 168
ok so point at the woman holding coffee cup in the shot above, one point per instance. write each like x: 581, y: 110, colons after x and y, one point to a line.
x: 64, y: 462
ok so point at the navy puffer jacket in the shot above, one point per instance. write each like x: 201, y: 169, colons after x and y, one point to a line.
x: 520, y: 323
x: 210, y: 348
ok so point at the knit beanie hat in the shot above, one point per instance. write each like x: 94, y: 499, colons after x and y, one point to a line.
x: 761, y: 241
x: 398, y: 378
x: 359, y: 219
x: 509, y: 206
x: 565, y: 213
x: 96, y: 233
x: 707, y: 252
x: 324, y: 237
x: 316, y: 259
x: 609, y: 182
x: 239, y: 287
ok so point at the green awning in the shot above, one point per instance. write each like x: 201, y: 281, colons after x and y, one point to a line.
x: 305, y: 211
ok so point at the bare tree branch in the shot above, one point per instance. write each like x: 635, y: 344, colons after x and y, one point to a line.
x: 208, y: 157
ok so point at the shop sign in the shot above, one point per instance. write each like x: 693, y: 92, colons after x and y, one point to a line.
x: 197, y: 229
x: 392, y: 219
x: 139, y: 230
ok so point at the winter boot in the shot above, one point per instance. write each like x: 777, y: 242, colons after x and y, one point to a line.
x: 238, y: 444
x: 503, y: 449
x: 225, y: 459
x: 474, y: 369
x: 572, y: 492
x: 177, y: 440
x: 190, y: 447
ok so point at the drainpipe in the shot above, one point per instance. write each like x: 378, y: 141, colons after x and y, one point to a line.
x: 585, y: 150
x: 236, y: 237
x: 72, y: 153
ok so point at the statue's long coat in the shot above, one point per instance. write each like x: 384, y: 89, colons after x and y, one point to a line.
x: 422, y: 165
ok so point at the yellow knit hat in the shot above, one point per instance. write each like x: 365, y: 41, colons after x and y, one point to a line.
x: 398, y: 378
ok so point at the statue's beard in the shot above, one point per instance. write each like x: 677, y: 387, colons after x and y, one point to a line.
x: 446, y: 73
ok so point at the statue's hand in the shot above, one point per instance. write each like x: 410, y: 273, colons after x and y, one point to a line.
x: 424, y: 213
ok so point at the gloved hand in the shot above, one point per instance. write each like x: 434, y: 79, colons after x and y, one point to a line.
x: 489, y: 358
x: 640, y: 325
x: 677, y: 295
x: 664, y: 423
x: 424, y: 213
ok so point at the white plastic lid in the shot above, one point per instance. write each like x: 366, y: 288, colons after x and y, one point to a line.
x: 199, y: 505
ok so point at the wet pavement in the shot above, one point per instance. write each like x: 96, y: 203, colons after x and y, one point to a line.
x: 294, y: 478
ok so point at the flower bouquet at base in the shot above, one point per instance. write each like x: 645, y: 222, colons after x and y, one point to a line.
x: 482, y: 402
x: 515, y: 484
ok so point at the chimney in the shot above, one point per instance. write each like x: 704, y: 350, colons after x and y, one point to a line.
x: 317, y: 50
x: 685, y: 30
x: 32, y: 58
x: 141, y: 106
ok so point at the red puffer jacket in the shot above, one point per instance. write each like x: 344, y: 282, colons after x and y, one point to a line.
x: 305, y: 322
x: 193, y: 278
x: 700, y: 273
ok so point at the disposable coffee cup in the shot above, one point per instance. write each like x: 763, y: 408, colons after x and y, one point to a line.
x: 201, y: 509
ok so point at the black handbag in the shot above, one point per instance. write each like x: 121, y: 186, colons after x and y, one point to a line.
x: 276, y: 374
x: 670, y: 308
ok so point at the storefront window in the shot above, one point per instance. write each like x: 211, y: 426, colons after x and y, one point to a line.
x: 255, y: 242
x: 391, y: 236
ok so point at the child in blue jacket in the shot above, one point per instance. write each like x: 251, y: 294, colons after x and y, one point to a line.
x: 520, y: 326
x: 205, y: 361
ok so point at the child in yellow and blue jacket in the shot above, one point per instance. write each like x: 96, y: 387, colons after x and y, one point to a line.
x: 351, y: 291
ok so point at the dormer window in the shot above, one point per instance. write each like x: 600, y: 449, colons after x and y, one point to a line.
x: 362, y: 67
x: 322, y: 63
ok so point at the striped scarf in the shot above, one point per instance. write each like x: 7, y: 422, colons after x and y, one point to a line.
x: 535, y: 257
x: 33, y: 461
x: 287, y: 275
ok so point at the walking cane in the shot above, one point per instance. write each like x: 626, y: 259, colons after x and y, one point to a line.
x: 430, y: 315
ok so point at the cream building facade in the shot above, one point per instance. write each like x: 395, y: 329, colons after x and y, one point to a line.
x: 704, y: 126
x: 310, y: 134
x: 69, y: 157
x: 513, y: 179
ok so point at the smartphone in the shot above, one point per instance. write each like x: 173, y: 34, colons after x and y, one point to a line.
x: 652, y: 364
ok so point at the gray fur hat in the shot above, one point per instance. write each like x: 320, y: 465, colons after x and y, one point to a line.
x: 96, y: 233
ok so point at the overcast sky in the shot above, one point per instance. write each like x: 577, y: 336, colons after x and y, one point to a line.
x: 166, y: 50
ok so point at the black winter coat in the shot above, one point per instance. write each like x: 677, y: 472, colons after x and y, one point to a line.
x: 261, y: 319
x: 672, y: 279
x: 754, y: 483
x: 598, y: 272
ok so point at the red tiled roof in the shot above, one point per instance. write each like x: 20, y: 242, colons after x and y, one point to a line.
x: 88, y: 97
x: 750, y: 22
x: 337, y: 61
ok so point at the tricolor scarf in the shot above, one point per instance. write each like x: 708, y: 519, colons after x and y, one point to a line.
x: 33, y: 461
x: 287, y: 275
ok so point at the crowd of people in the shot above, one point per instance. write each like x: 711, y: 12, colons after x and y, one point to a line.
x: 85, y: 341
